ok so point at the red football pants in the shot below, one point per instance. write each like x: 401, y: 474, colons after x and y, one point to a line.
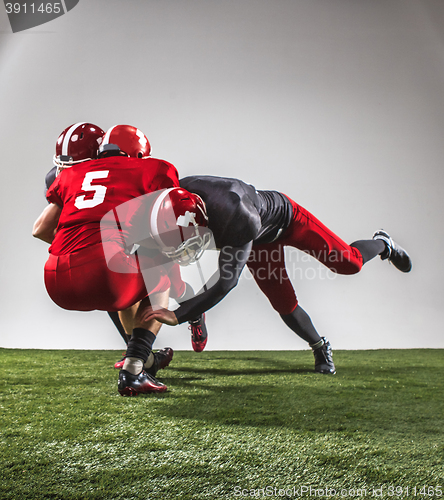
x: 306, y: 233
x: 82, y: 281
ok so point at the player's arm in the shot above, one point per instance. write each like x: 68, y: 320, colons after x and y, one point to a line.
x: 231, y: 262
x: 45, y: 226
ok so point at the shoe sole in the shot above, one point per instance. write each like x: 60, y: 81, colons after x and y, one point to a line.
x: 325, y: 372
x: 199, y: 346
x: 131, y: 392
x: 128, y: 392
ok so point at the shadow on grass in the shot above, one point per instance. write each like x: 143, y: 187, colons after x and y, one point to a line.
x: 368, y: 394
x: 228, y: 372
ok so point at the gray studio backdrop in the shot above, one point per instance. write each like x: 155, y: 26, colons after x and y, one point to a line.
x: 337, y: 103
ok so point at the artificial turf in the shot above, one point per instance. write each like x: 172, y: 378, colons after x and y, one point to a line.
x: 248, y: 424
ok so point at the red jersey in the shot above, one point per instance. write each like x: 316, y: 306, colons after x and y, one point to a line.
x: 89, y: 190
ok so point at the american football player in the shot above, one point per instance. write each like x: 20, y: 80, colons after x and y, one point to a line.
x: 80, y: 142
x: 252, y: 228
x: 77, y: 272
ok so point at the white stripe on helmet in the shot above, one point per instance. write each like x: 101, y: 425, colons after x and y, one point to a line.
x: 67, y: 137
x: 154, y: 212
x: 142, y: 139
x: 108, y: 133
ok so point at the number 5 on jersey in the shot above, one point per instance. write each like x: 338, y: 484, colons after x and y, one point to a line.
x: 99, y: 190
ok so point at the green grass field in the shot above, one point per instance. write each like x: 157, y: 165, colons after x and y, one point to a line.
x: 232, y: 425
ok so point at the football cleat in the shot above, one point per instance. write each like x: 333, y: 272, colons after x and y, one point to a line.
x: 162, y: 359
x: 199, y: 334
x: 324, y: 358
x: 144, y: 383
x: 394, y: 253
x: 118, y: 365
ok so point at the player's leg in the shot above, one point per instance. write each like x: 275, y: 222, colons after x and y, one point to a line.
x: 114, y: 315
x: 129, y: 289
x: 135, y: 377
x: 127, y: 316
x: 181, y: 292
x: 123, y: 321
x: 309, y: 234
x: 161, y: 358
x: 267, y: 265
x: 300, y: 322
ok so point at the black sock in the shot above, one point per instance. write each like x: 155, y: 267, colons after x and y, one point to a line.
x: 299, y: 321
x: 369, y: 249
x: 140, y: 344
x: 117, y: 323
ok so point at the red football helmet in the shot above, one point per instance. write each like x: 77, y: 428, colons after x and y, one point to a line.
x: 130, y: 140
x: 77, y: 143
x: 179, y: 225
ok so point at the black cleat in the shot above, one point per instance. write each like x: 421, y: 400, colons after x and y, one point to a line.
x: 199, y: 334
x: 323, y: 358
x: 144, y: 383
x: 394, y: 253
x: 162, y: 359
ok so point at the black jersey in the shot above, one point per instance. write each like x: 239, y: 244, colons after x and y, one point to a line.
x: 238, y: 213
x: 238, y: 216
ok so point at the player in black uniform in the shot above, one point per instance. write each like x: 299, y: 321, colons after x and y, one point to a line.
x: 252, y: 228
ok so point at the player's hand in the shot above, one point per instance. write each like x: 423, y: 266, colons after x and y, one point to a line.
x: 160, y: 314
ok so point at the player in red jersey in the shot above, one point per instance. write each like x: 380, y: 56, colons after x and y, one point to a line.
x: 78, y: 274
x: 78, y: 143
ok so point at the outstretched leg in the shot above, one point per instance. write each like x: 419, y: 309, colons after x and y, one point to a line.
x: 309, y: 234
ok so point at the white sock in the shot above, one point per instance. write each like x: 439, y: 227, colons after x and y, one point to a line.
x: 149, y: 361
x: 133, y: 365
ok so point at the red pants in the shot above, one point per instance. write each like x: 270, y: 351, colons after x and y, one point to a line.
x: 83, y: 281
x: 306, y: 233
